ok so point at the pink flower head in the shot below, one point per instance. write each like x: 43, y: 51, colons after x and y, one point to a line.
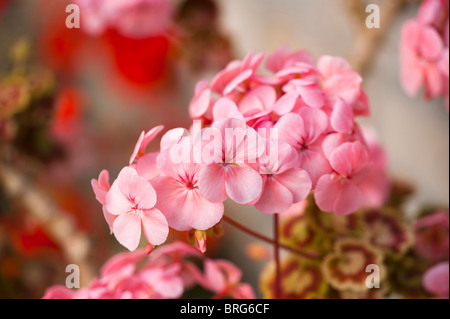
x: 285, y: 183
x: 424, y: 50
x: 436, y: 280
x: 304, y: 132
x: 226, y: 171
x: 143, y: 141
x: 132, y: 199
x: 339, y: 192
x: 132, y: 18
x: 179, y: 196
x: 223, y: 278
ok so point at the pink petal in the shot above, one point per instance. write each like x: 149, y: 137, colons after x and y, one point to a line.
x: 310, y: 92
x: 172, y: 137
x: 171, y: 197
x: 315, y: 164
x: 431, y: 45
x: 144, y: 140
x: 334, y: 195
x: 200, y: 104
x: 147, y: 167
x: 434, y: 80
x: 116, y: 203
x: 286, y: 103
x: 238, y: 80
x: 436, y: 279
x: 137, y: 148
x: 275, y: 197
x: 109, y: 218
x: 101, y: 186
x: 243, y: 291
x: 127, y: 230
x: 330, y: 66
x: 156, y: 228
x: 200, y: 213
x: 59, y: 292
x: 349, y: 158
x: 342, y: 117
x: 243, y: 184
x: 211, y: 182
x: 275, y: 61
x: 289, y: 128
x: 214, y: 277
x: 223, y: 78
x: 226, y: 108
x: 297, y: 181
x: 315, y: 123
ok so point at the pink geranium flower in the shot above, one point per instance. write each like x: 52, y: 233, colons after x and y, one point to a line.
x: 223, y: 278
x: 424, y: 51
x: 226, y: 172
x: 284, y: 182
x: 304, y: 132
x: 179, y: 196
x: 339, y: 192
x: 132, y: 199
x: 436, y: 280
x: 132, y: 18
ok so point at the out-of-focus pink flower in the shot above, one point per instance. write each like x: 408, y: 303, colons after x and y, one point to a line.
x: 284, y: 183
x: 132, y: 18
x: 432, y: 236
x: 166, y: 274
x: 376, y: 185
x: 227, y: 173
x: 338, y: 192
x: 223, y: 278
x: 179, y: 196
x: 132, y: 199
x: 424, y: 51
x: 436, y: 280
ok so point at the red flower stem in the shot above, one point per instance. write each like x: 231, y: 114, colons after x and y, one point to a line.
x: 232, y: 222
x: 276, y: 255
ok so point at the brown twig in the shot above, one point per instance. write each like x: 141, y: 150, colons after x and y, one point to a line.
x: 304, y: 254
x: 368, y: 41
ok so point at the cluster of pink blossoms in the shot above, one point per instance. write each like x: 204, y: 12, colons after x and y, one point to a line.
x: 132, y: 18
x: 424, y: 50
x: 267, y: 140
x: 167, y: 273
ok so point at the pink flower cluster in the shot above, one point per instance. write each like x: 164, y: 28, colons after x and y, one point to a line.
x: 131, y: 18
x: 267, y: 140
x: 424, y: 51
x: 167, y: 273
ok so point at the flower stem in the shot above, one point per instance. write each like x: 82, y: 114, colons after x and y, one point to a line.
x: 276, y: 254
x: 232, y: 222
